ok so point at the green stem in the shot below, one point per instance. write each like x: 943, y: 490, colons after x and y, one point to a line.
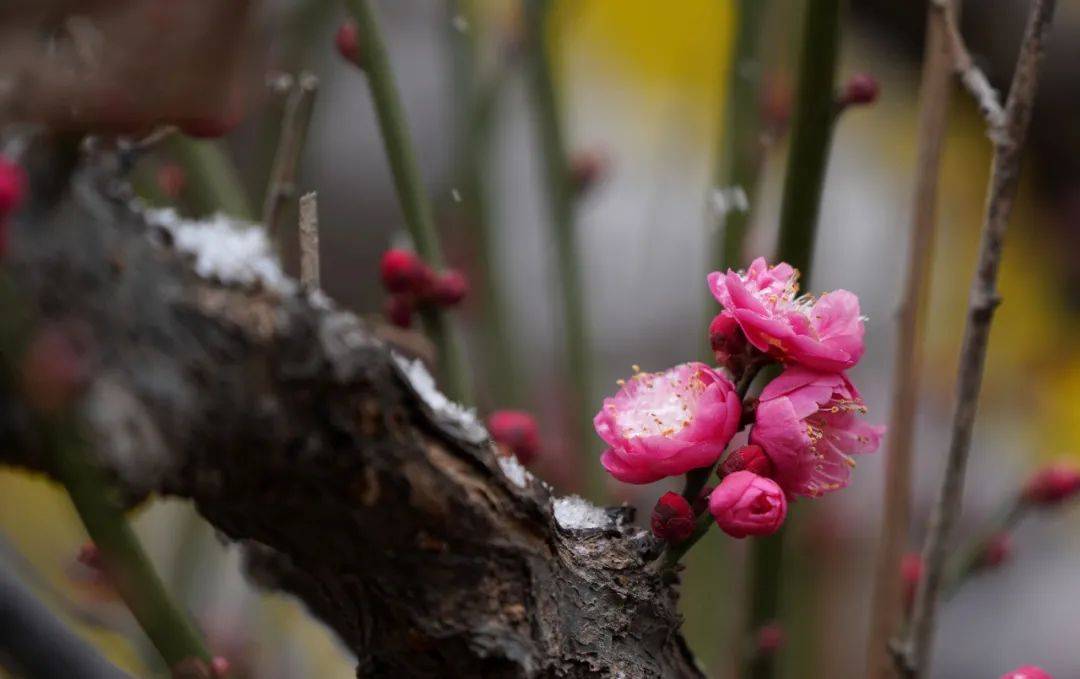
x: 807, y: 161
x: 673, y: 553
x: 128, y: 567
x: 968, y: 560
x: 742, y: 150
x: 560, y: 201
x: 212, y: 181
x: 410, y: 190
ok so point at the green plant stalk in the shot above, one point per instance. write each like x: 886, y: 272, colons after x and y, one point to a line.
x: 815, y: 116
x: 410, y: 190
x: 742, y: 152
x: 128, y: 567
x: 560, y: 201
x: 212, y: 181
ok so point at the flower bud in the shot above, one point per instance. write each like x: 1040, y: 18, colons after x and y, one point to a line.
x: 1028, y: 672
x: 911, y: 568
x: 770, y: 638
x: 220, y: 666
x: 861, y: 89
x: 747, y: 504
x: 587, y: 168
x: 12, y: 187
x: 997, y: 551
x: 347, y: 41
x: 90, y: 556
x: 728, y: 343
x: 449, y: 288
x: 751, y: 458
x: 1052, y: 485
x: 399, y: 310
x: 401, y: 271
x: 515, y: 431
x: 672, y: 518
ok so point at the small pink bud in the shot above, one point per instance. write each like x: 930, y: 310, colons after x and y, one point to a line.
x: 728, y: 343
x: 402, y: 271
x: 399, y: 310
x: 770, y: 638
x: 90, y: 556
x: 449, y: 288
x: 219, y: 666
x: 672, y: 518
x: 751, y: 458
x: 171, y: 179
x: 998, y: 550
x: 12, y: 187
x: 587, y: 168
x: 515, y: 431
x: 861, y: 89
x: 1052, y: 485
x: 747, y: 504
x: 911, y: 568
x: 347, y: 41
x: 1028, y: 672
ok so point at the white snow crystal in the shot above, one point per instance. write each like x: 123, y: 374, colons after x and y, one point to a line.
x: 232, y: 251
x: 575, y: 512
x: 454, y: 413
x: 517, y: 474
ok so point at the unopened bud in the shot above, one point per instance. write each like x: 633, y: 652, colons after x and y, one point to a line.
x: 587, y: 168
x: 220, y: 666
x: 516, y: 432
x: 861, y: 89
x: 347, y: 41
x: 672, y: 518
x: 399, y: 310
x: 751, y: 458
x: 450, y: 288
x: 402, y: 271
x: 770, y: 638
x: 911, y: 569
x: 1052, y: 485
x: 729, y: 344
x: 12, y: 187
x: 997, y: 551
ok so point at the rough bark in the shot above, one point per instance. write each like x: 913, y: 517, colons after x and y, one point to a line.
x: 296, y: 431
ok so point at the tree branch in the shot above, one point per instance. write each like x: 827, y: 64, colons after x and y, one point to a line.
x: 971, y: 75
x: 1008, y: 141
x: 352, y: 481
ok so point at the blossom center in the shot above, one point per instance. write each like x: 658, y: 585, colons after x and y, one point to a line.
x: 662, y: 405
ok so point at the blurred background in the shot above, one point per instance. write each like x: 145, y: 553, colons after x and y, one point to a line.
x: 641, y: 87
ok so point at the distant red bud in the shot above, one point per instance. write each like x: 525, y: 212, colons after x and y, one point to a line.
x: 672, y: 518
x: 402, y: 271
x: 347, y: 41
x: 911, y: 568
x: 1052, y: 485
x: 12, y: 187
x: 517, y: 432
x: 587, y: 168
x: 998, y: 550
x: 449, y: 288
x: 861, y: 89
x: 770, y: 638
x: 399, y: 310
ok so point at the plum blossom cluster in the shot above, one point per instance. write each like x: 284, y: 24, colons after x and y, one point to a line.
x: 413, y: 285
x: 805, y: 425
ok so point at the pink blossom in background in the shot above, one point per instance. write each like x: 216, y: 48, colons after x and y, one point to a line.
x: 747, y: 504
x: 824, y: 334
x: 807, y: 422
x: 1052, y: 484
x: 1028, y: 672
x: 667, y: 423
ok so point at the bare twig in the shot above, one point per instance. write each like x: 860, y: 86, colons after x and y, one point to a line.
x: 1008, y: 142
x: 294, y: 127
x: 933, y: 117
x: 971, y: 75
x: 309, y: 241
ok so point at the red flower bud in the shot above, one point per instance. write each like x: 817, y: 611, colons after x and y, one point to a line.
x: 1028, y: 672
x: 861, y: 89
x: 449, y: 288
x: 728, y: 343
x: 403, y: 271
x: 911, y: 568
x: 586, y: 169
x: 399, y: 310
x: 90, y: 556
x: 515, y: 431
x: 751, y: 458
x: 998, y: 550
x: 347, y: 41
x: 770, y: 638
x: 171, y: 179
x: 1052, y: 485
x: 672, y: 518
x: 12, y: 187
x: 220, y: 666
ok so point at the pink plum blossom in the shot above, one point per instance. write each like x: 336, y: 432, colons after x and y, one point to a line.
x: 807, y: 422
x: 824, y: 334
x: 747, y: 504
x: 1028, y: 672
x: 667, y: 423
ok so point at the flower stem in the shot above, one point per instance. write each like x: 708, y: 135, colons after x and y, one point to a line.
x: 560, y: 201
x: 410, y: 189
x: 129, y: 569
x: 673, y: 553
x: 807, y: 160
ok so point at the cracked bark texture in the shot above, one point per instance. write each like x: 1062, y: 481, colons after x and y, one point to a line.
x: 295, y: 431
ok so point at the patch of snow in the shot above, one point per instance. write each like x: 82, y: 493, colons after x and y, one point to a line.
x: 229, y: 250
x: 517, y: 474
x: 450, y: 412
x: 575, y: 512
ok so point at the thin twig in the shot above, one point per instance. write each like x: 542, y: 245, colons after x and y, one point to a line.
x: 309, y: 241
x: 933, y: 118
x: 294, y: 129
x: 971, y: 75
x: 1008, y: 144
x: 410, y: 189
